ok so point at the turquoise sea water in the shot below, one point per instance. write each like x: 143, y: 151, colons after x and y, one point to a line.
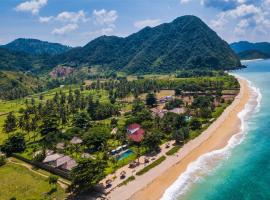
x: 240, y: 171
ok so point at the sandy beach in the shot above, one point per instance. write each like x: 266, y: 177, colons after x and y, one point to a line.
x: 153, y: 184
x: 252, y: 60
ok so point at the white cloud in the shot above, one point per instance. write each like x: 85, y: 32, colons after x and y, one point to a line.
x: 244, y: 18
x: 72, y: 16
x: 68, y: 17
x: 185, y: 1
x: 65, y: 29
x: 244, y: 10
x: 72, y: 20
x: 220, y: 22
x: 45, y: 19
x: 32, y: 6
x: 241, y: 26
x: 147, y: 22
x: 104, y: 17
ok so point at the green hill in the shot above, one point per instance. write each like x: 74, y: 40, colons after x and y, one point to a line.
x: 21, y: 61
x: 36, y: 47
x: 241, y: 46
x: 10, y: 60
x: 185, y: 43
x: 253, y: 54
x: 16, y: 85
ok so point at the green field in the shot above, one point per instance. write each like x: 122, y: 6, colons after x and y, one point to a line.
x: 17, y: 181
x: 16, y: 105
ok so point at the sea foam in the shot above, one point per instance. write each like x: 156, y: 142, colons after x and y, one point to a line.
x: 208, y: 162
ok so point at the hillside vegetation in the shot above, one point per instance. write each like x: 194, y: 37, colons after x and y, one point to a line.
x: 16, y: 85
x: 253, y: 54
x: 36, y: 47
x: 185, y: 43
x: 247, y: 50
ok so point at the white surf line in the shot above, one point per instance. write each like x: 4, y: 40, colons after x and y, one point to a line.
x: 206, y: 163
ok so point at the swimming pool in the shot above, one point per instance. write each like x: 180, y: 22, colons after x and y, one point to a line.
x: 124, y: 155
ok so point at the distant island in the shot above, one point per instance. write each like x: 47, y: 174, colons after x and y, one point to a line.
x: 250, y: 51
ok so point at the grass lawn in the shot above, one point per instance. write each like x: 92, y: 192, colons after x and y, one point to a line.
x: 17, y: 181
x: 160, y: 94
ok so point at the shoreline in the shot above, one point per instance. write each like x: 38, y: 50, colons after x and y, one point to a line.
x: 250, y: 60
x: 152, y: 185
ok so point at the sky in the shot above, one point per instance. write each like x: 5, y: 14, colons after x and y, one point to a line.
x: 76, y: 22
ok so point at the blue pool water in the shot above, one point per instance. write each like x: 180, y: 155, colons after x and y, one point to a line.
x: 125, y: 155
x: 240, y: 171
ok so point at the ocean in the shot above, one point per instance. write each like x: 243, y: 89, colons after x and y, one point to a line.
x: 241, y: 170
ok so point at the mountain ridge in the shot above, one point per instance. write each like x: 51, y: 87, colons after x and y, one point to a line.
x: 248, y: 50
x: 245, y: 45
x: 36, y: 47
x: 185, y: 43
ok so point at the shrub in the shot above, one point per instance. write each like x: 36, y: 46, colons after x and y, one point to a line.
x: 173, y: 150
x: 14, y: 144
x: 2, y: 160
x: 52, y: 179
x: 125, y: 182
x: 39, y: 157
x: 152, y: 165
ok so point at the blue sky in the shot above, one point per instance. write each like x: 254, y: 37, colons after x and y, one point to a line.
x: 76, y: 22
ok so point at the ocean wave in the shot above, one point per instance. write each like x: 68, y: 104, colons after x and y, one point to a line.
x: 208, y: 162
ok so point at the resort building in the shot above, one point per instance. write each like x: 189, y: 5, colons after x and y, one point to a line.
x: 156, y: 112
x: 60, y: 145
x: 60, y: 161
x: 178, y: 110
x: 165, y: 99
x: 135, y: 132
x: 76, y: 140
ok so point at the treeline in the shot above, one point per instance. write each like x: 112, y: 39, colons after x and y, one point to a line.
x: 198, y: 73
x: 48, y: 115
x: 122, y: 88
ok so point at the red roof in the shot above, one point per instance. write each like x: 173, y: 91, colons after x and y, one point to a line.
x: 133, y: 126
x: 137, y: 136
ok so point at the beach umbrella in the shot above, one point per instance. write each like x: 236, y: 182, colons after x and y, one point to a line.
x: 123, y: 173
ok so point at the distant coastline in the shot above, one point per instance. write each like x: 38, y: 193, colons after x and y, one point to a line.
x: 250, y: 60
x: 152, y: 185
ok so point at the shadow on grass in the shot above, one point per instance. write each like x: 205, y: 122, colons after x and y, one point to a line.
x: 53, y: 190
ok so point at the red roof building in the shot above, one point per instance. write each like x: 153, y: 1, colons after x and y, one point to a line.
x: 135, y: 132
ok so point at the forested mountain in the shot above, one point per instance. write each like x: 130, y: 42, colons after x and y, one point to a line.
x: 16, y: 84
x: 253, y: 54
x: 21, y: 61
x: 185, y: 43
x: 36, y: 47
x: 15, y: 61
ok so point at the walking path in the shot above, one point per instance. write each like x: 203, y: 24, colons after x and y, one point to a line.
x: 116, y: 177
x: 64, y: 184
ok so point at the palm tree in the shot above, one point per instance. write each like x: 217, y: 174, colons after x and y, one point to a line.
x: 53, y: 180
